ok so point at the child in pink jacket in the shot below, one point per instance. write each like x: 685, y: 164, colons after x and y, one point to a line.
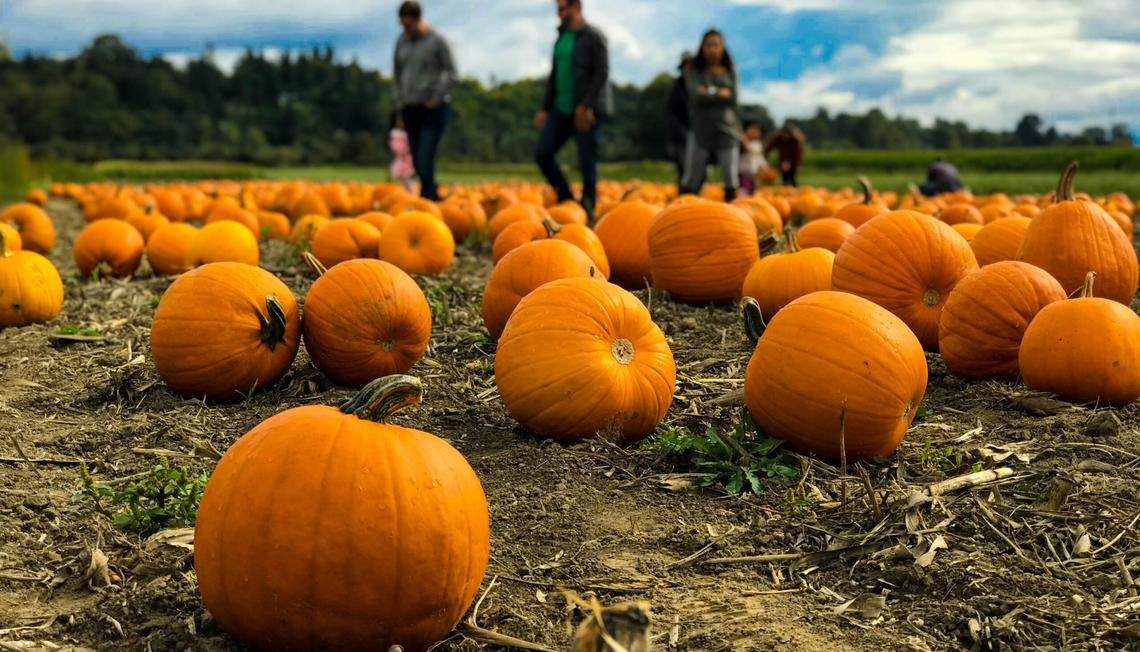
x: 401, y: 167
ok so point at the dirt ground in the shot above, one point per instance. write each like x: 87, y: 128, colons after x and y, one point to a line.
x: 1043, y: 558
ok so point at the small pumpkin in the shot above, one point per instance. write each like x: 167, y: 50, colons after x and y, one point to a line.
x: 111, y: 246
x: 168, y: 249
x: 365, y: 319
x: 305, y: 228
x: 624, y: 234
x: 584, y: 238
x: 31, y: 290
x: 344, y: 239
x: 859, y: 213
x: 986, y: 315
x: 223, y: 241
x: 253, y: 325
x: 522, y: 271
x: 766, y: 218
x: 568, y: 212
x: 778, y: 279
x: 514, y: 213
x: 968, y: 230
x: 580, y: 357
x: 418, y: 243
x: 396, y: 562
x: 248, y: 219
x: 36, y: 196
x: 12, y: 240
x: 516, y: 235
x: 37, y: 233
x: 961, y: 213
x: 700, y: 251
x: 147, y: 222
x: 377, y: 219
x: 273, y: 225
x: 999, y: 240
x: 827, y: 233
x: 465, y: 217
x: 1084, y: 350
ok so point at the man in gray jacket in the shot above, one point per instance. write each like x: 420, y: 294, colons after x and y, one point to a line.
x: 424, y: 77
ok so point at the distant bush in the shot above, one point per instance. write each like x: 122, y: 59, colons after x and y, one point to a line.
x: 1020, y: 159
x: 122, y: 170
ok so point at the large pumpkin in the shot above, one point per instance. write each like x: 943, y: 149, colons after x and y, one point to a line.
x: 829, y: 354
x: 908, y: 263
x: 624, y: 233
x: 999, y: 240
x: 581, y: 357
x: 111, y: 247
x: 700, y: 251
x: 223, y: 330
x: 37, y: 233
x: 365, y: 319
x: 986, y: 315
x: 1073, y: 237
x: 168, y: 249
x: 522, y: 271
x: 778, y: 279
x: 327, y: 529
x: 344, y: 239
x: 1083, y: 350
x: 418, y: 243
x: 30, y: 288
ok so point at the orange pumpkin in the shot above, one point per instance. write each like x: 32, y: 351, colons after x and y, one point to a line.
x: 305, y: 228
x: 986, y: 315
x: 610, y: 374
x: 859, y: 213
x: 701, y: 251
x: 582, y: 237
x: 248, y: 219
x: 908, y: 263
x: 279, y: 569
x: 170, y: 203
x: 512, y: 214
x: 36, y: 196
x: 968, y: 230
x: 1083, y: 350
x: 827, y: 233
x: 999, y: 240
x: 523, y: 270
x: 832, y: 355
x: 568, y: 212
x: 418, y: 243
x: 1073, y: 237
x: 37, y: 233
x: 344, y: 239
x: 112, y: 247
x: 961, y: 214
x: 377, y: 219
x: 168, y: 249
x: 516, y: 235
x: 273, y: 225
x: 778, y: 279
x: 31, y: 291
x: 147, y: 222
x: 464, y: 217
x: 223, y: 241
x: 253, y: 326
x: 310, y: 203
x: 624, y: 234
x: 12, y: 240
x: 766, y: 218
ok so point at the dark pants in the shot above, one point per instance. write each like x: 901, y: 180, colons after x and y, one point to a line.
x: 676, y: 151
x: 558, y: 129
x: 789, y: 176
x: 425, y: 128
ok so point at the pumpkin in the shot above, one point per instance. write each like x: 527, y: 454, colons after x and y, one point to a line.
x: 170, y: 203
x: 968, y: 230
x: 1073, y: 237
x: 112, y: 247
x: 223, y: 241
x: 766, y: 218
x: 1083, y: 350
x: 310, y: 203
x: 37, y: 233
x: 961, y: 214
x: 118, y: 207
x: 516, y: 235
x: 835, y: 374
x: 624, y: 234
x: 778, y: 279
x: 418, y: 243
x: 1122, y: 220
x: 465, y: 217
x: 36, y: 196
x: 328, y: 529
x: 701, y: 251
x: 582, y: 237
x: 523, y: 270
x: 999, y: 240
x: 378, y: 220
x: 365, y: 319
x: 514, y: 213
x: 568, y: 212
x: 344, y: 239
x: 246, y: 218
x: 827, y: 233
x: 168, y: 249
x: 859, y: 213
x: 273, y: 225
x: 147, y: 222
x: 12, y: 240
x: 986, y: 315
x: 581, y: 357
x: 908, y: 263
x: 31, y: 291
x: 253, y: 326
x: 305, y: 228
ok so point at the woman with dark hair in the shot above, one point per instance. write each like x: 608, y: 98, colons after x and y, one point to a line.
x: 711, y: 82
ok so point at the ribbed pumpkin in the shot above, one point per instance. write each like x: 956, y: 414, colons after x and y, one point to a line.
x: 168, y: 249
x: 624, y: 234
x: 968, y: 230
x: 273, y: 225
x: 327, y: 529
x: 464, y: 217
x: 1084, y: 350
x: 908, y: 263
x: 516, y: 235
x: 859, y: 213
x: 418, y: 243
x: 223, y: 241
x: 344, y: 239
x: 377, y: 219
x: 310, y: 203
x: 584, y: 238
x: 961, y: 214
x: 112, y: 247
x: 568, y: 212
x: 581, y: 357
x: 522, y: 271
x: 1073, y: 237
x: 999, y: 240
x: 778, y: 279
x: 305, y: 228
x: 700, y: 251
x: 986, y: 315
x: 147, y: 222
x: 764, y: 216
x: 37, y: 233
x: 31, y: 291
x: 514, y: 213
x: 827, y: 233
x: 170, y: 203
x: 832, y: 353
x: 365, y: 319
x: 223, y: 330
x: 243, y: 217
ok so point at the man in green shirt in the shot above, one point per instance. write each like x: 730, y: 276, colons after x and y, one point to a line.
x: 578, y: 96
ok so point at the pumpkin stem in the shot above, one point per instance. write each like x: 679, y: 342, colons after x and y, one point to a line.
x: 273, y: 326
x: 552, y: 227
x: 625, y: 195
x: 768, y: 241
x: 754, y: 325
x: 790, y: 244
x: 384, y: 397
x: 1065, y: 184
x: 1087, y: 287
x: 317, y: 266
x: 3, y: 245
x: 865, y: 183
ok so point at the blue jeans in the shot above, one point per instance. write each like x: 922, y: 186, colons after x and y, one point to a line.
x: 558, y: 129
x: 425, y: 129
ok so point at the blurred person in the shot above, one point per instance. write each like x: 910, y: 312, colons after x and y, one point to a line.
x: 677, y: 117
x: 752, y: 160
x: 402, y: 168
x: 711, y: 84
x: 941, y: 177
x: 789, y: 143
x: 577, y: 98
x: 424, y: 76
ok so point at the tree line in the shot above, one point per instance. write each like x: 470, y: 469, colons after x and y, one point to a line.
x: 308, y: 107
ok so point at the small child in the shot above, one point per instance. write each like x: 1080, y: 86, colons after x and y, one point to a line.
x: 752, y: 160
x: 401, y: 167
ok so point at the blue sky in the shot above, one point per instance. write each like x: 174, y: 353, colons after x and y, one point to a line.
x: 1074, y: 62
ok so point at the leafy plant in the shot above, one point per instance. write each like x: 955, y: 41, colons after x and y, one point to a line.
x: 437, y: 296
x: 164, y: 497
x: 72, y: 329
x: 942, y: 458
x: 737, y: 460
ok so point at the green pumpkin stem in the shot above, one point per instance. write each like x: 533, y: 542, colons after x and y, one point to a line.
x: 1065, y: 184
x: 316, y: 265
x: 865, y: 183
x: 384, y: 397
x: 1087, y: 287
x: 754, y: 325
x: 552, y: 227
x: 273, y: 326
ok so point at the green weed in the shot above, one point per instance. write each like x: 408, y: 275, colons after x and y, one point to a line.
x: 72, y: 329
x: 165, y: 497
